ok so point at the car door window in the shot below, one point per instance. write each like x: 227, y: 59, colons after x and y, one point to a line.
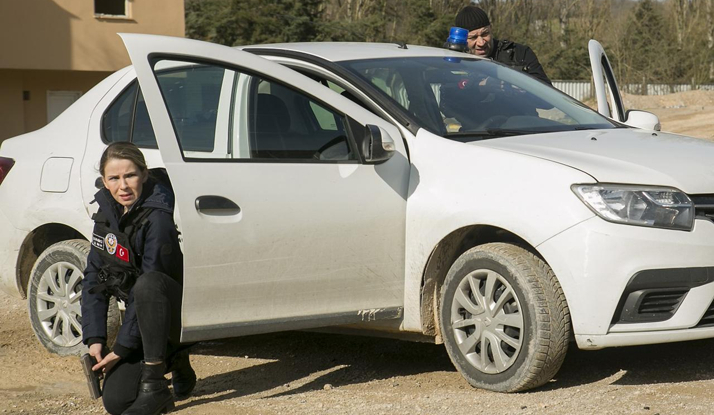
x: 142, y: 133
x: 116, y: 121
x: 285, y: 124
x: 222, y: 113
x: 193, y: 96
x: 127, y: 119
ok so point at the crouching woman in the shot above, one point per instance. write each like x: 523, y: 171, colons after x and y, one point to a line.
x: 135, y: 256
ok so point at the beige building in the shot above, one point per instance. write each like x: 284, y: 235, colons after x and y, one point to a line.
x: 52, y: 51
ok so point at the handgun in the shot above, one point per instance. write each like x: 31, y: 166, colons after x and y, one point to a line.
x: 92, y: 377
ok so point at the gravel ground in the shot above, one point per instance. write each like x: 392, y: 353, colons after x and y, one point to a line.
x: 315, y: 373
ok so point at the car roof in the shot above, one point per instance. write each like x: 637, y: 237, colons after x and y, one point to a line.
x: 347, y: 51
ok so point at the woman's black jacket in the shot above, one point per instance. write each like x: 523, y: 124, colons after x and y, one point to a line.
x: 156, y: 241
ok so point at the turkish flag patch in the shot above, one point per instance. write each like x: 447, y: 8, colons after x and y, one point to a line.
x: 122, y: 253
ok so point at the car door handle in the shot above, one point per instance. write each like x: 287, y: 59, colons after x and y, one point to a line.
x: 216, y: 205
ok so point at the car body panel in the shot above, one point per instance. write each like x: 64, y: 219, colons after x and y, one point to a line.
x: 595, y: 260
x: 12, y: 241
x: 624, y: 155
x: 65, y: 137
x: 454, y: 185
x: 311, y: 242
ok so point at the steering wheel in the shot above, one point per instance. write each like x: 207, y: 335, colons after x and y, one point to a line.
x: 335, y: 141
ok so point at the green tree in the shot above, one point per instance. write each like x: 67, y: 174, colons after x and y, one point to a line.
x: 647, y: 59
x: 242, y: 22
x: 204, y: 16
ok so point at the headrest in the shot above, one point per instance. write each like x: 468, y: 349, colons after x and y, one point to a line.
x: 272, y: 114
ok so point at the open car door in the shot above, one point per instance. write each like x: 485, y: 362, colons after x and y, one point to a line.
x: 609, y: 100
x: 285, y: 222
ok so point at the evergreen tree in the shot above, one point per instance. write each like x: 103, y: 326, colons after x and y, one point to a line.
x: 645, y: 40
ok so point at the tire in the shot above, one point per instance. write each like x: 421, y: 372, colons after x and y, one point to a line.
x: 520, y: 340
x: 54, y: 295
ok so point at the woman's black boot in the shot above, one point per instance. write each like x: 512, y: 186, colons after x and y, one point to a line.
x: 154, y: 395
x: 183, y: 377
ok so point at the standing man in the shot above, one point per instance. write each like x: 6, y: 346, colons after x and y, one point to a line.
x: 481, y: 43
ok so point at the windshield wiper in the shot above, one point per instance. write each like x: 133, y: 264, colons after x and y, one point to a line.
x: 490, y: 133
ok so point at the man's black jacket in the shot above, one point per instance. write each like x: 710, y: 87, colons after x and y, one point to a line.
x: 519, y: 57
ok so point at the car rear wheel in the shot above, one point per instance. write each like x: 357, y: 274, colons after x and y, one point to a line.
x: 504, y: 318
x: 54, y: 296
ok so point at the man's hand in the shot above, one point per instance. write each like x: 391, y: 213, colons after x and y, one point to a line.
x: 105, y: 364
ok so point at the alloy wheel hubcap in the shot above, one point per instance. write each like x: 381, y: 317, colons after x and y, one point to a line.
x: 487, y: 321
x: 58, y: 304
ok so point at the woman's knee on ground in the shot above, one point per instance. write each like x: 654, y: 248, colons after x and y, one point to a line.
x: 121, y: 385
x: 115, y: 404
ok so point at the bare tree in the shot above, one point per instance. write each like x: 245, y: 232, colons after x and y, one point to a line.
x: 710, y: 35
x: 565, y: 7
x: 682, y: 11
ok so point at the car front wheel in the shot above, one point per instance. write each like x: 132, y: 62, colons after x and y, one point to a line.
x: 504, y: 318
x: 54, y: 298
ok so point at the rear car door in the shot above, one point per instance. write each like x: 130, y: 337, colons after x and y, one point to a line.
x: 284, y: 226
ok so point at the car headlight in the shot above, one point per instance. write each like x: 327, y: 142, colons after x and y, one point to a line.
x: 659, y: 207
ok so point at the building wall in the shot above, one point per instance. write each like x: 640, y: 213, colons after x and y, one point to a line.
x: 66, y: 35
x: 39, y: 82
x: 60, y: 45
x: 11, y: 108
x: 19, y: 115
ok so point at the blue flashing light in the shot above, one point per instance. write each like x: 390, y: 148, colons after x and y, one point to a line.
x: 457, y: 36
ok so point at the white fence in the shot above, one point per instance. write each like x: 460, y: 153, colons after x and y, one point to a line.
x: 582, y: 90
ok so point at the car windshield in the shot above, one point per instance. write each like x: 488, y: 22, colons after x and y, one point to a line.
x: 474, y: 99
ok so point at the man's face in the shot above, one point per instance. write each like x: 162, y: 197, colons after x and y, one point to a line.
x: 480, y: 41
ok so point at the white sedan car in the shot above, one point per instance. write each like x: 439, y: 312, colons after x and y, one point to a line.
x: 405, y: 190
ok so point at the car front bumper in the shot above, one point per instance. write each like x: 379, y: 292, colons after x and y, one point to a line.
x: 594, y: 262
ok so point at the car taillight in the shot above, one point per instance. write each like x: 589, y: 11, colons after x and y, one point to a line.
x: 5, y: 166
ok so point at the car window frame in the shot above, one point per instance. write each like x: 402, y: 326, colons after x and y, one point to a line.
x: 135, y: 100
x: 154, y: 59
x: 394, y: 113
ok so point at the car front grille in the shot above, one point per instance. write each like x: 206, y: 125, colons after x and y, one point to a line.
x: 650, y: 305
x: 708, y: 319
x: 703, y: 206
x: 658, y: 304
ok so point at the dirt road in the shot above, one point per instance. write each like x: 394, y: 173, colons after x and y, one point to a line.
x: 689, y: 113
x: 310, y: 373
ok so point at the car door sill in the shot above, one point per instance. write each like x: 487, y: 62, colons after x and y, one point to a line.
x: 221, y: 331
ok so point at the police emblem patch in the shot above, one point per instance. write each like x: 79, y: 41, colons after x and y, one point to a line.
x: 110, y: 241
x: 97, y: 241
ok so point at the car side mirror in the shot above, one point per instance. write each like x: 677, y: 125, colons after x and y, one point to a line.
x: 642, y: 119
x: 377, y: 146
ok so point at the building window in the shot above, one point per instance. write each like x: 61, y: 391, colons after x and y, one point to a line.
x: 117, y: 8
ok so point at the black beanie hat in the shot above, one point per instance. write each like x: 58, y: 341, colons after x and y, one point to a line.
x: 472, y: 18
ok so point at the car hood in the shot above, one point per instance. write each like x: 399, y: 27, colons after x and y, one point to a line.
x: 623, y: 155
